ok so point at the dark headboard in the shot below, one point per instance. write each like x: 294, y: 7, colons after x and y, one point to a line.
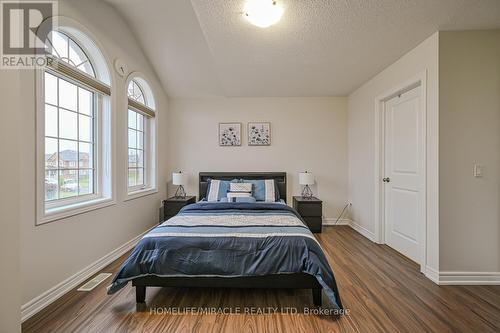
x: 279, y: 178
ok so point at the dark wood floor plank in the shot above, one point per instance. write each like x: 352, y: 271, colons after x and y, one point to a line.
x: 384, y: 291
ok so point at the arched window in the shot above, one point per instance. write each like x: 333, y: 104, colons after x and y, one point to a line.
x: 75, y: 106
x: 66, y: 49
x: 141, y: 139
x: 135, y: 92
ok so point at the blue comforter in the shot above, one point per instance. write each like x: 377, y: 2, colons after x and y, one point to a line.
x: 230, y: 240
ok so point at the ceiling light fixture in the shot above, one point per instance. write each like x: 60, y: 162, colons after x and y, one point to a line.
x: 262, y: 13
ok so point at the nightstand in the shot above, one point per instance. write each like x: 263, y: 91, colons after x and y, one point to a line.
x: 311, y: 211
x: 173, y: 205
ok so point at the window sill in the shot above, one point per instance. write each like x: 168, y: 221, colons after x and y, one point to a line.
x: 58, y: 213
x: 140, y: 193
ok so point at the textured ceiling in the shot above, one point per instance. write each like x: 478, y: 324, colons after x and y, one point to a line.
x: 319, y: 48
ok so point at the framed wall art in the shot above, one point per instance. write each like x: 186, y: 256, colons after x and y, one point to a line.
x: 229, y: 134
x: 259, y: 134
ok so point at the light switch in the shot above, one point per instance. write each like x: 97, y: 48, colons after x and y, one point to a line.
x: 478, y: 170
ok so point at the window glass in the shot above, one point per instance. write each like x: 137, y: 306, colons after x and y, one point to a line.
x: 135, y: 92
x: 66, y: 49
x: 69, y: 139
x: 136, y: 163
x: 139, y: 162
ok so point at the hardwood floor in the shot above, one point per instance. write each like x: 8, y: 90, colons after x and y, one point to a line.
x: 383, y: 291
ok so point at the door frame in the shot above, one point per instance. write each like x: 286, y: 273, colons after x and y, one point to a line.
x: 380, y: 101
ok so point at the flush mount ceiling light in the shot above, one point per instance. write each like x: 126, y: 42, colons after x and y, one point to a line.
x: 262, y: 13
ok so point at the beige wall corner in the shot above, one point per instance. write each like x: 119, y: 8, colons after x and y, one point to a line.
x: 10, y: 289
x: 469, y: 127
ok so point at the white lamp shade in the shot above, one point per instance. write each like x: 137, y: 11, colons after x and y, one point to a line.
x: 306, y: 178
x: 179, y: 178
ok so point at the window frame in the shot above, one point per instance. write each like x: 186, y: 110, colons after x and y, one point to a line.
x: 150, y: 141
x: 146, y: 154
x: 55, y: 204
x: 103, y: 195
x: 69, y: 61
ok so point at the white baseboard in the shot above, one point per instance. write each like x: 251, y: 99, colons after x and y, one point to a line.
x: 363, y: 231
x: 438, y: 277
x: 469, y: 278
x: 360, y: 229
x: 40, y: 302
x: 432, y: 274
x: 332, y: 220
x: 462, y: 278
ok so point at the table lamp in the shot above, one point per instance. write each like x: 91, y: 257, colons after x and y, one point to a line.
x: 306, y: 179
x: 179, y: 178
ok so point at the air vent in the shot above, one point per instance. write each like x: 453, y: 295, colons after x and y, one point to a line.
x: 94, y: 282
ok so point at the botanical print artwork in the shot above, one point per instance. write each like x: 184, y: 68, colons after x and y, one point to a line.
x: 259, y: 134
x: 229, y: 134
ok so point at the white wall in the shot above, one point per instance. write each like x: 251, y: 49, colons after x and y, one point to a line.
x: 52, y: 252
x: 361, y: 137
x: 307, y: 134
x: 10, y: 299
x: 469, y: 118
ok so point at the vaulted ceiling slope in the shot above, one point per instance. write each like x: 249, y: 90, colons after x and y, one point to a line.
x: 205, y: 48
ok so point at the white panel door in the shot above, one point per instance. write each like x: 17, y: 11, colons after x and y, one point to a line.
x: 403, y: 181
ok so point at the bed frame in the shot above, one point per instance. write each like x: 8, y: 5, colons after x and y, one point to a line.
x: 275, y: 281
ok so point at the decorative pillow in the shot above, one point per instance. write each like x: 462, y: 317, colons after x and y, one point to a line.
x: 217, y: 189
x: 231, y: 195
x: 270, y: 190
x: 263, y: 190
x: 240, y: 187
x: 239, y: 199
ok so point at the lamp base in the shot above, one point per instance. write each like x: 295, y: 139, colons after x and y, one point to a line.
x: 180, y: 192
x: 307, y: 192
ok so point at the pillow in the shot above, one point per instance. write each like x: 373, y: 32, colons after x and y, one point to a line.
x: 217, y: 189
x: 277, y: 191
x: 231, y: 195
x: 263, y: 189
x: 239, y: 199
x: 270, y: 190
x: 240, y: 187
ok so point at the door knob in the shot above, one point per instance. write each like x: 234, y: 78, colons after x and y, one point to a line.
x: 386, y: 179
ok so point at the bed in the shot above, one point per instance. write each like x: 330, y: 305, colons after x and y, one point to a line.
x: 231, y: 245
